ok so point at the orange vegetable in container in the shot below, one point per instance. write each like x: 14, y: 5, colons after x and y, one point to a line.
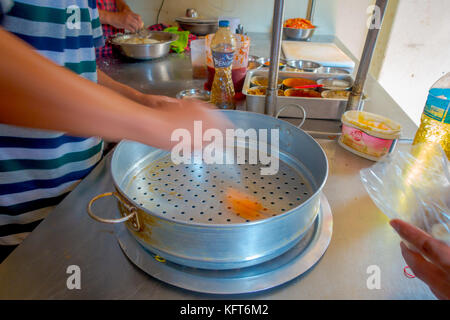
x: 298, y: 23
x: 303, y: 93
x: 298, y: 82
x: 267, y: 63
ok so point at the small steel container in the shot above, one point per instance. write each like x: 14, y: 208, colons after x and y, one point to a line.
x: 333, y: 70
x: 263, y: 62
x: 198, y: 94
x: 336, y: 83
x: 262, y: 81
x: 304, y: 65
x: 251, y: 91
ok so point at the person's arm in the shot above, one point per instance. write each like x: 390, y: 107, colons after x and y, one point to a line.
x: 123, y: 19
x: 37, y: 93
x: 122, y: 5
x: 133, y: 94
x: 435, y: 272
x: 127, y: 91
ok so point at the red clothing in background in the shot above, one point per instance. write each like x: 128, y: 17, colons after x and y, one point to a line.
x: 108, y: 30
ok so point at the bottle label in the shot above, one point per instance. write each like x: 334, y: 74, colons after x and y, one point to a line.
x: 222, y: 59
x: 438, y: 105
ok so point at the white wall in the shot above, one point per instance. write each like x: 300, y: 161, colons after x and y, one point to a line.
x: 418, y: 52
x: 350, y: 23
x: 255, y: 15
x: 413, y: 49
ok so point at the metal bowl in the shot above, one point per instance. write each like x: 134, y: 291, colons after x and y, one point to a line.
x: 145, y: 51
x: 299, y: 34
x: 333, y: 70
x: 198, y: 94
x: 304, y: 65
x: 199, y: 27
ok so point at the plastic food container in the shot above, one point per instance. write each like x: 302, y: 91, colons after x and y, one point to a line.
x: 369, y: 135
x: 198, y: 59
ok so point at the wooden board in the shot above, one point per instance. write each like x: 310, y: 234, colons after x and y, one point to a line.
x: 327, y: 54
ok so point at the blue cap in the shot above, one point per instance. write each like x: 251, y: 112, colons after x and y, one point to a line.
x: 224, y: 23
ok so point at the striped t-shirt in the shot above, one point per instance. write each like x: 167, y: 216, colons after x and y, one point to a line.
x: 39, y: 168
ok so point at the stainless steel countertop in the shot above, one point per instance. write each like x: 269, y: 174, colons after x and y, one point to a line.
x: 361, y: 234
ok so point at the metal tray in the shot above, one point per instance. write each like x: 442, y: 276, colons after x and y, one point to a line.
x: 316, y: 108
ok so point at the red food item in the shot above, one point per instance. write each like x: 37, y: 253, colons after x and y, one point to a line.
x: 298, y: 23
x: 237, y: 74
x: 304, y: 93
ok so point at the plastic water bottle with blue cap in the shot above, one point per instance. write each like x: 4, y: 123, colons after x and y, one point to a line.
x: 223, y: 46
x: 435, y: 122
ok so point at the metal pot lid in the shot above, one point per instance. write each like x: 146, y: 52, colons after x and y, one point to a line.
x: 198, y: 20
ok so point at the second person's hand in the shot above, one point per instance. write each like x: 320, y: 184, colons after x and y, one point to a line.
x: 127, y: 20
x: 435, y: 271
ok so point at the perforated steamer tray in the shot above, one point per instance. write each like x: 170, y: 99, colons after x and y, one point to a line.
x: 196, y: 193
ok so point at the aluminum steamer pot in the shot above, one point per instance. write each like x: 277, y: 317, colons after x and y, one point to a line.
x: 180, y: 212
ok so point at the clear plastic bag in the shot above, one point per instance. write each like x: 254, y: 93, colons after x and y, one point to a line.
x: 414, y: 186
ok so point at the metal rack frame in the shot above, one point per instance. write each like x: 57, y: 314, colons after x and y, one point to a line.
x: 354, y: 102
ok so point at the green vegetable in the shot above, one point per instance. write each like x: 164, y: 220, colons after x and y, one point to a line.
x: 181, y: 43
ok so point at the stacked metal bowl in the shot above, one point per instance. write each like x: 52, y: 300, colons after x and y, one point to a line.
x: 299, y: 34
x: 198, y: 26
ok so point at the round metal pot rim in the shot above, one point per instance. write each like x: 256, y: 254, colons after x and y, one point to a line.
x: 173, y: 37
x: 229, y: 226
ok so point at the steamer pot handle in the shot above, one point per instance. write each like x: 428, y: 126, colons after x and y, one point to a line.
x: 135, y: 223
x: 297, y: 106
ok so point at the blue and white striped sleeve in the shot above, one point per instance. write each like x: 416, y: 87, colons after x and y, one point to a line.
x: 5, y: 6
x: 97, y: 32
